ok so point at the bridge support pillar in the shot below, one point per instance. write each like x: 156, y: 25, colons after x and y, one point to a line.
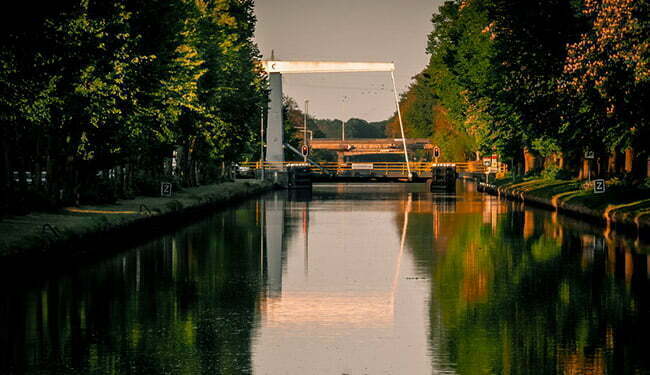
x: 274, y: 134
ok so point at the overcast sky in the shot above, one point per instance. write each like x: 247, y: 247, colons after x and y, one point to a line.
x: 346, y: 30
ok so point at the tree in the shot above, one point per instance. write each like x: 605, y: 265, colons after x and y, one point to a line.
x: 100, y: 94
x: 608, y: 71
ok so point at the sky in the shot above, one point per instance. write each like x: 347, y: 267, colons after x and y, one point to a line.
x: 346, y: 30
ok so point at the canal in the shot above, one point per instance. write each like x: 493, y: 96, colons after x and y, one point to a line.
x: 348, y: 279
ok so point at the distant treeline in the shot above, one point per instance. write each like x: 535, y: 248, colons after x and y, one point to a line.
x: 539, y: 80
x: 107, y: 98
x: 294, y: 120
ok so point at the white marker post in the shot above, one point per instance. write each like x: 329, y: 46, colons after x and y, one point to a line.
x: 589, y: 155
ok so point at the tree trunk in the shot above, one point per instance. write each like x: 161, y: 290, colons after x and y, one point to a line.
x: 636, y: 163
x: 640, y: 166
x: 611, y: 163
x: 584, y: 170
x: 629, y: 160
x: 554, y: 160
x: 599, y: 167
x: 531, y: 161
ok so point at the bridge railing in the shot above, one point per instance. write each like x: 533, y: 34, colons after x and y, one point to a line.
x: 420, y: 168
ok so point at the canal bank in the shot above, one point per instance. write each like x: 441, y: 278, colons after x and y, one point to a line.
x: 89, y: 229
x: 627, y: 210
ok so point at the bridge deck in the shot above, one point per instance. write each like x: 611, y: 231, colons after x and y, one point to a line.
x: 376, y: 170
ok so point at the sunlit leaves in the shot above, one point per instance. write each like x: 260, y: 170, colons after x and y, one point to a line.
x: 608, y: 68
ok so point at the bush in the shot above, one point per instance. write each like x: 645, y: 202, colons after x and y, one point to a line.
x: 646, y: 183
x: 624, y: 183
x: 626, y: 180
x: 23, y: 202
x: 100, y: 192
x: 556, y: 173
x: 148, y: 185
x: 511, y: 177
x: 145, y: 184
x: 533, y: 173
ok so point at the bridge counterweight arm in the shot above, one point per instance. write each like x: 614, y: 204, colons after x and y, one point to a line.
x: 288, y: 67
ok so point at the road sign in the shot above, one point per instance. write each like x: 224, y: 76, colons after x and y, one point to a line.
x: 165, y: 189
x: 436, y: 152
x: 589, y: 155
x: 599, y: 186
x: 362, y: 166
x: 305, y: 150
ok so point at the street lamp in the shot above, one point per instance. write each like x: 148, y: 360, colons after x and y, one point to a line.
x: 344, y: 100
x: 304, y: 136
x: 262, y: 110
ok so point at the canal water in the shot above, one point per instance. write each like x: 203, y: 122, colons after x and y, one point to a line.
x: 347, y: 279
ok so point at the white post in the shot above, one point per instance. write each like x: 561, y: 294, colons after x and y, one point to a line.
x: 401, y: 126
x: 274, y: 133
x: 262, y: 140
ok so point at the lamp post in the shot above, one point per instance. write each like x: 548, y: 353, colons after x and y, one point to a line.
x: 262, y: 139
x: 304, y: 135
x: 344, y: 100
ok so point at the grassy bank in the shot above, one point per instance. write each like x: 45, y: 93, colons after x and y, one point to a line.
x: 76, y: 230
x: 619, y: 206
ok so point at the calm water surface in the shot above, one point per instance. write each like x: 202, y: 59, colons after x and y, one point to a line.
x: 350, y: 279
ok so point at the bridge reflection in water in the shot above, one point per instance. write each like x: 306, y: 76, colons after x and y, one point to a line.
x: 354, y: 278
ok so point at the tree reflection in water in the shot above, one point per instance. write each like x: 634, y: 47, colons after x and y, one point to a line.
x: 519, y: 290
x: 185, y: 303
x: 509, y: 289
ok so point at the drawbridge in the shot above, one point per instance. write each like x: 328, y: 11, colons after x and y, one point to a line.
x: 273, y: 165
x: 371, y: 171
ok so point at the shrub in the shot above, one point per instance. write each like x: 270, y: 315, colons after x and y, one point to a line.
x: 145, y: 184
x: 646, y: 183
x: 148, y: 185
x: 100, y: 192
x: 533, y: 173
x: 556, y: 173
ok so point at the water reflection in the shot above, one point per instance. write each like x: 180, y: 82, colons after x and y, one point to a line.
x: 186, y: 303
x: 525, y: 291
x: 346, y: 279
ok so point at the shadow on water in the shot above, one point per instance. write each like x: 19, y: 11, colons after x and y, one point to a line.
x: 492, y: 286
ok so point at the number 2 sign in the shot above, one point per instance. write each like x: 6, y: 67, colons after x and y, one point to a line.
x: 599, y: 186
x: 165, y: 189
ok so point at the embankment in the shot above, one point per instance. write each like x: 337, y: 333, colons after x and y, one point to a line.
x: 92, y: 229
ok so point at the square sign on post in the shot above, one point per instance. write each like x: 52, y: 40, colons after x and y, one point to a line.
x: 165, y: 189
x: 599, y: 186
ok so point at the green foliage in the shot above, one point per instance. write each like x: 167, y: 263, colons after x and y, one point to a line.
x: 95, y: 88
x: 607, y: 74
x: 556, y: 173
x: 354, y: 128
x: 546, y: 146
x: 551, y: 76
x: 646, y: 184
